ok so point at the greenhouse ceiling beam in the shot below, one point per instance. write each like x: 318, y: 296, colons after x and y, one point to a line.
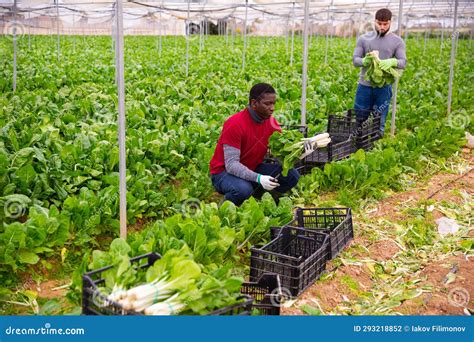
x: 350, y: 4
x: 414, y: 6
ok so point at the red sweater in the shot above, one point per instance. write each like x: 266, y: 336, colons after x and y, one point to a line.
x: 251, y: 138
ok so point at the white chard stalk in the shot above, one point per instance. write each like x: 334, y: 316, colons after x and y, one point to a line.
x: 323, y: 142
x: 321, y: 136
x: 168, y: 307
x: 156, y: 298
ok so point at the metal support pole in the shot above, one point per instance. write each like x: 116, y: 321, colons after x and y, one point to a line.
x: 114, y: 32
x: 360, y: 23
x: 292, y: 35
x: 457, y: 41
x: 57, y: 30
x: 470, y: 36
x: 14, y: 45
x: 83, y: 34
x: 395, y: 85
x: 424, y: 45
x: 327, y: 40
x: 233, y: 34
x: 73, y: 33
x: 201, y: 30
x: 176, y: 36
x: 201, y: 35
x: 119, y: 62
x: 29, y: 31
x: 226, y: 34
x: 305, y: 62
x: 453, y: 56
x: 160, y: 31
x: 406, y: 29
x: 204, y: 33
x: 187, y: 39
x: 442, y: 37
x: 245, y: 36
x: 286, y: 33
x: 331, y: 28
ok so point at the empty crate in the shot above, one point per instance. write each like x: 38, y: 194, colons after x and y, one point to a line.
x: 337, y: 222
x: 297, y: 255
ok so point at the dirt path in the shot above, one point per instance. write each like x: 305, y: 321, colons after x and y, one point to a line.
x: 435, y: 286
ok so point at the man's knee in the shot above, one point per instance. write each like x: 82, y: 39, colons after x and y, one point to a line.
x: 242, y: 190
x: 293, y: 177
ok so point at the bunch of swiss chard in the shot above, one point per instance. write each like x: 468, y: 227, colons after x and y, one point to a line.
x: 287, y: 147
x: 174, y: 284
x: 375, y: 75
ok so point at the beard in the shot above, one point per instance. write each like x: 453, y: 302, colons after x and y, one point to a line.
x: 381, y: 34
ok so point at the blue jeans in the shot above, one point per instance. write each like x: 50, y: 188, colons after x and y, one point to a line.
x: 238, y: 190
x: 369, y: 98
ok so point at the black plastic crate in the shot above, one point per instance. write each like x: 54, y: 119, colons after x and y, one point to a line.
x: 266, y: 293
x: 361, y: 125
x: 369, y: 132
x: 244, y: 308
x: 337, y: 222
x: 339, y: 148
x: 297, y: 255
x: 96, y: 303
x: 305, y: 168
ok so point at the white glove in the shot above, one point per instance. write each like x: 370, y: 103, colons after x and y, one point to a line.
x: 267, y: 182
x: 308, y: 149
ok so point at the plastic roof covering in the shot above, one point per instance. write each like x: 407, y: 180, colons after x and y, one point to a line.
x: 332, y: 12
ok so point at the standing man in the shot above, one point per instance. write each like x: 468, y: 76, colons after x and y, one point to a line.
x: 392, y: 54
x: 237, y: 167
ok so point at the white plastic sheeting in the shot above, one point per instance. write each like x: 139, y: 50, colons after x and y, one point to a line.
x: 264, y: 17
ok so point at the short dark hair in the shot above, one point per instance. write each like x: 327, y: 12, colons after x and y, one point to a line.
x: 259, y: 89
x: 383, y: 14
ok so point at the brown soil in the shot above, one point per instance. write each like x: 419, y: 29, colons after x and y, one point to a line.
x: 327, y: 294
x: 330, y: 293
x: 442, y: 300
x: 138, y: 225
x: 49, y: 289
x: 383, y: 250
